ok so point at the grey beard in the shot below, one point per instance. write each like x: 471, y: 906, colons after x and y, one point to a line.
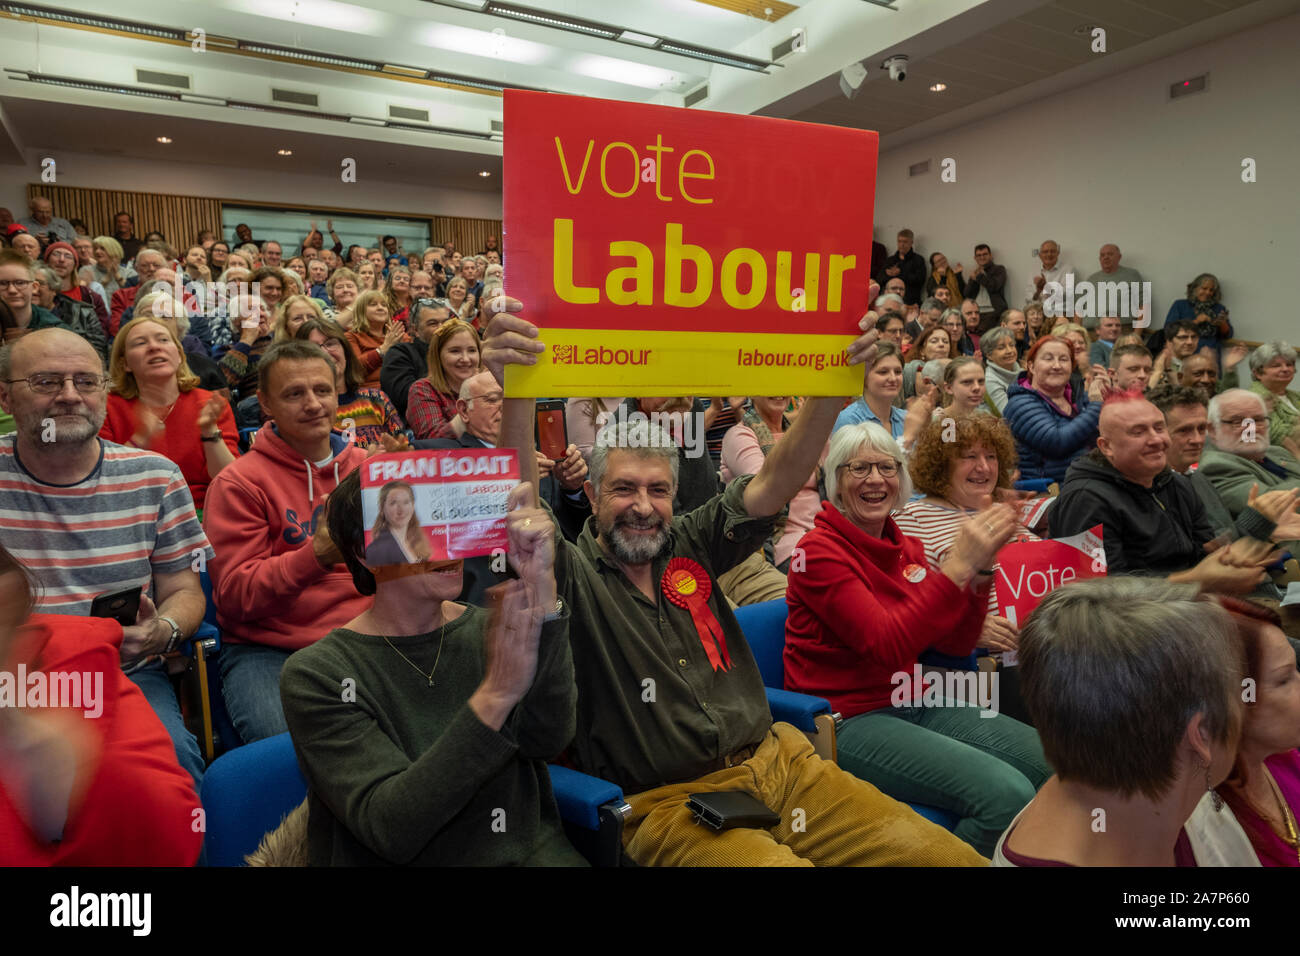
x: 640, y: 551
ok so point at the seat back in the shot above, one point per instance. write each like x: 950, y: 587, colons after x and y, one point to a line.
x: 246, y: 793
x: 210, y: 612
x: 764, y: 627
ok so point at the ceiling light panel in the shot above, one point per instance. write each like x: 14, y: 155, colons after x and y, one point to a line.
x: 327, y: 14
x: 444, y: 36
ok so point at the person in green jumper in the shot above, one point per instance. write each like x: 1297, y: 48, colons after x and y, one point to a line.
x: 423, y: 726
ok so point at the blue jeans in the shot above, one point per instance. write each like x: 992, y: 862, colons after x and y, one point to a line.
x: 250, y: 684
x: 152, y: 679
x: 984, y: 769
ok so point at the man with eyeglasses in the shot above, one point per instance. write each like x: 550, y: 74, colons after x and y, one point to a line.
x: 1240, y: 454
x: 408, y: 362
x: 17, y: 290
x: 92, y: 517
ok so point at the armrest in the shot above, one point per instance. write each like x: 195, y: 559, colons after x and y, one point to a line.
x: 207, y: 635
x: 801, y: 710
x: 580, y: 796
x: 1032, y: 484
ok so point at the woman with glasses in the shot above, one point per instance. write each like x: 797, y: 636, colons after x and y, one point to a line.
x: 155, y: 403
x: 362, y: 410
x: 867, y: 606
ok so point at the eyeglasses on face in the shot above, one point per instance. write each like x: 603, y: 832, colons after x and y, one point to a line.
x: 861, y: 469
x: 14, y: 283
x: 51, y: 383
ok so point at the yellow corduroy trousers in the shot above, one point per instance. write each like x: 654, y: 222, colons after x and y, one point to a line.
x: 828, y: 818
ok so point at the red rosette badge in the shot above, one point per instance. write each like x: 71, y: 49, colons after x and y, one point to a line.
x: 688, y: 585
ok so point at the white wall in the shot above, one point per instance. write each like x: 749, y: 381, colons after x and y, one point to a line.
x: 230, y: 182
x: 1116, y: 161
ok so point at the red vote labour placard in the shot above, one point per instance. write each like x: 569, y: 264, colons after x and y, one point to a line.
x: 668, y: 251
x: 1030, y: 570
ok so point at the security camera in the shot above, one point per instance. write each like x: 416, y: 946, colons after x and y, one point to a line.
x: 897, y: 67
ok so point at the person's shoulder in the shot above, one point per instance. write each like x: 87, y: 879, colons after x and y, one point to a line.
x: 124, y: 459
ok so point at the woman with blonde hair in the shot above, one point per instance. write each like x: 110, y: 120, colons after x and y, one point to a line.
x: 109, y: 271
x: 397, y: 537
x: 368, y: 276
x: 156, y: 404
x: 291, y: 314
x: 342, y: 288
x: 457, y: 295
x: 373, y: 332
x: 431, y: 404
x: 397, y: 292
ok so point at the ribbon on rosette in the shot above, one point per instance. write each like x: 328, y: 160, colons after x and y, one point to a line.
x: 686, y: 584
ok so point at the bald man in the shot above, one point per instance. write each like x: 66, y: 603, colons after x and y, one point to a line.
x: 1152, y: 518
x: 76, y: 497
x: 1111, y: 270
x: 44, y: 225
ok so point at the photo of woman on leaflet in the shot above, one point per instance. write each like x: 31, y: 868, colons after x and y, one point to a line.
x: 397, y: 537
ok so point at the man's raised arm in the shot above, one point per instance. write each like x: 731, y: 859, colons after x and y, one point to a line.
x: 510, y: 340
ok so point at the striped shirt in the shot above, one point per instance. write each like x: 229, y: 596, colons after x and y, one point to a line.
x: 936, y: 528
x: 131, y: 518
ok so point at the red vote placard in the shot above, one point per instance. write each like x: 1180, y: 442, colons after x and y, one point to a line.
x: 1030, y: 570
x: 668, y: 251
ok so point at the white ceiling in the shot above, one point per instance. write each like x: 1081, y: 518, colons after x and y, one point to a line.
x: 984, y: 50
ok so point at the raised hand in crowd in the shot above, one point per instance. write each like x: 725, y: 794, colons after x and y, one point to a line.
x: 571, y: 470
x: 394, y: 332
x: 919, y: 412
x: 531, y: 536
x: 209, y: 414
x: 977, y: 544
x: 1097, y: 388
x: 1233, y: 356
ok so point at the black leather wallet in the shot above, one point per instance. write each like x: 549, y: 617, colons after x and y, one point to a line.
x: 724, y: 809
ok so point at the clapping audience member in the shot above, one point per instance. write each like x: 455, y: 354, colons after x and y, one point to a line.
x: 986, y: 285
x: 453, y: 357
x: 373, y: 332
x: 942, y: 276
x: 98, y: 786
x: 457, y: 692
x: 1134, y: 686
x: 342, y: 289
x: 1203, y: 309
x: 291, y: 314
x: 1052, y: 426
x: 866, y: 607
x: 1272, y: 366
x: 1263, y: 788
x: 408, y: 362
x: 276, y: 579
x: 155, y: 403
x: 364, y: 414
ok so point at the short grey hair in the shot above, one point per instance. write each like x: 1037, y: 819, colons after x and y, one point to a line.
x: 151, y: 253
x: 149, y: 304
x: 637, y: 434
x: 951, y: 311
x: 993, y: 338
x: 1215, y: 410
x: 1268, y: 352
x: 48, y: 276
x: 848, y: 441
x: 930, y: 304
x: 888, y: 299
x: 1135, y: 653
x: 934, y: 369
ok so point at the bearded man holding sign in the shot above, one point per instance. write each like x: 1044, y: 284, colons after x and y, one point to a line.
x: 670, y: 700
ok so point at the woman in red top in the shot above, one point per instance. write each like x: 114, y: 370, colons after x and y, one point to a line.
x: 397, y: 291
x: 866, y: 606
x: 156, y: 404
x: 1264, y: 786
x: 89, y: 782
x: 431, y: 404
x: 373, y: 332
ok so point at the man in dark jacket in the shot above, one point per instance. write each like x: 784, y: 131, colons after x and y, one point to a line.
x: 78, y: 316
x: 1153, y: 520
x: 407, y: 362
x: 908, y: 266
x: 985, y: 286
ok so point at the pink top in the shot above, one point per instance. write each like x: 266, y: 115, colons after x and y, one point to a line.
x: 741, y: 455
x: 577, y: 420
x: 1271, y: 849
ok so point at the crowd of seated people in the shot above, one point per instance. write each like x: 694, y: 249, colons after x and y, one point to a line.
x: 876, y: 521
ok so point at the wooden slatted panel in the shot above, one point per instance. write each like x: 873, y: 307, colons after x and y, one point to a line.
x: 755, y: 8
x: 179, y: 218
x: 470, y: 235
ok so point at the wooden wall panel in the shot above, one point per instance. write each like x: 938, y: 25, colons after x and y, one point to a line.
x: 469, y: 235
x: 179, y: 218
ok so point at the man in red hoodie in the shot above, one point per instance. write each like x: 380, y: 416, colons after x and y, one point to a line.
x: 278, y: 581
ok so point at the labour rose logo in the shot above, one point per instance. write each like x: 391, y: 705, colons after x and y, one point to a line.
x: 563, y: 354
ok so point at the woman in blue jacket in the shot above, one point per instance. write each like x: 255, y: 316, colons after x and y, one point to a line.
x: 1203, y: 307
x: 1052, y: 427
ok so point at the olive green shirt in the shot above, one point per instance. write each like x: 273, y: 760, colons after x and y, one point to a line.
x: 651, y: 708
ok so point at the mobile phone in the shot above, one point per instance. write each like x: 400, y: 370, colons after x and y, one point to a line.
x: 122, y: 606
x: 552, y: 431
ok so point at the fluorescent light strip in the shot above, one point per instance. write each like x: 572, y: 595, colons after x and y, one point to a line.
x: 82, y: 20
x: 97, y: 87
x: 546, y: 19
x: 726, y: 59
x: 437, y: 129
x: 311, y: 57
x: 604, y: 31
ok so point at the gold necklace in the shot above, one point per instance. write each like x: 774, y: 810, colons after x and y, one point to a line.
x: 1288, y: 818
x: 428, y: 676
